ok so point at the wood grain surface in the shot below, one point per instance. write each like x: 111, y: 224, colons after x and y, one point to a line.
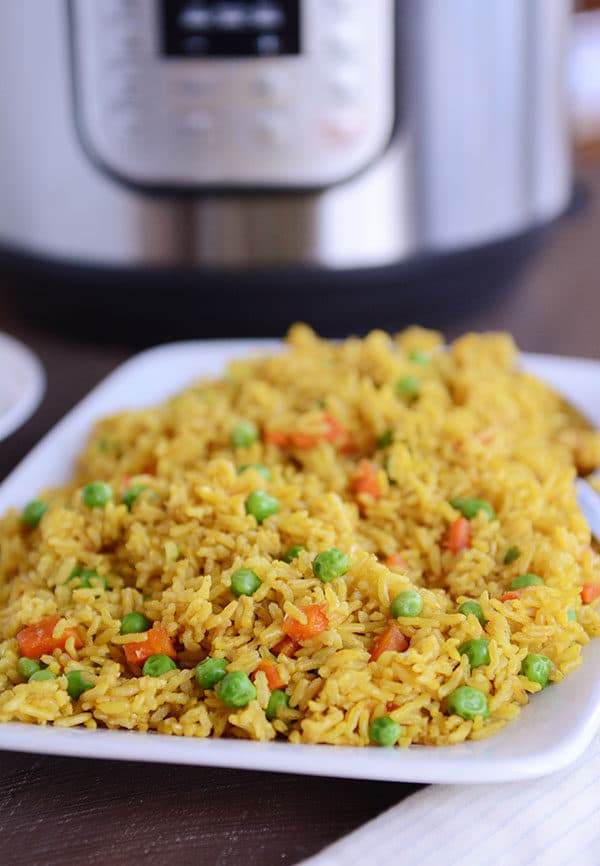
x: 67, y: 811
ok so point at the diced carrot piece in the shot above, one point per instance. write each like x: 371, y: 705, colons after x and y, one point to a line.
x: 274, y: 680
x: 590, y: 592
x: 365, y: 480
x: 304, y: 441
x: 332, y: 431
x: 392, y: 640
x: 348, y: 446
x: 512, y: 594
x: 396, y: 560
x: 335, y: 428
x: 391, y: 706
x: 487, y: 436
x: 459, y: 535
x: 36, y: 640
x: 316, y: 622
x: 277, y: 437
x: 156, y: 641
x: 286, y: 647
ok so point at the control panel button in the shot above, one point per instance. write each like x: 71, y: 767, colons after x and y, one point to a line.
x: 126, y: 122
x: 115, y: 9
x: 344, y: 128
x: 198, y: 125
x: 125, y: 43
x: 344, y: 41
x: 344, y: 8
x: 124, y: 97
x: 271, y: 86
x: 343, y: 86
x: 124, y: 77
x: 197, y: 88
x: 124, y: 86
x: 272, y: 128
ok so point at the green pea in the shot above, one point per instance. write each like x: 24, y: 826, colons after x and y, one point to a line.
x: 97, y: 494
x: 172, y: 552
x: 386, y: 439
x: 330, y: 564
x: 134, y: 623
x: 28, y: 667
x: 277, y: 702
x: 472, y: 607
x: 537, y: 668
x: 236, y: 690
x: 384, y: 731
x: 209, y: 672
x: 476, y: 651
x: 157, y: 665
x: 79, y: 570
x: 131, y: 494
x: 387, y: 465
x: 571, y: 615
x: 77, y: 684
x: 90, y: 579
x: 244, y: 581
x: 511, y: 555
x: 33, y: 513
x: 261, y: 505
x: 258, y: 467
x: 41, y: 676
x: 292, y: 554
x: 524, y: 580
x: 244, y: 434
x: 468, y: 703
x: 408, y: 386
x: 471, y: 507
x: 407, y: 603
x: 418, y: 356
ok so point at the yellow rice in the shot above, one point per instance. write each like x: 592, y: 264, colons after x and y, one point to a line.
x: 478, y: 428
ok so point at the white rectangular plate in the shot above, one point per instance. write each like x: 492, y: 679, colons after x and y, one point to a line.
x: 551, y: 732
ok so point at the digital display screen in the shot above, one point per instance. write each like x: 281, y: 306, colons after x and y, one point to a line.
x: 230, y: 28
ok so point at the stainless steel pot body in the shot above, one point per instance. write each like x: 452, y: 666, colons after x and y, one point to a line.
x: 464, y: 134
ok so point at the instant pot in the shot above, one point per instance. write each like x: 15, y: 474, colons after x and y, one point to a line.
x: 230, y: 165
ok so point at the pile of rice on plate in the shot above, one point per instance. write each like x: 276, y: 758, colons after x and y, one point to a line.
x: 444, y: 472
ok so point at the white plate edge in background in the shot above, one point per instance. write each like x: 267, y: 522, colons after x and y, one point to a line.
x: 28, y: 366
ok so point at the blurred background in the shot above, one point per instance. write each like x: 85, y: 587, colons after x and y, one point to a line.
x: 198, y: 168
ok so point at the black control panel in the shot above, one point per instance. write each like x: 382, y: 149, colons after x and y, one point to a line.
x: 230, y: 28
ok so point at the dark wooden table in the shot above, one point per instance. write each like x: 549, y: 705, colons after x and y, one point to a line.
x: 58, y: 810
